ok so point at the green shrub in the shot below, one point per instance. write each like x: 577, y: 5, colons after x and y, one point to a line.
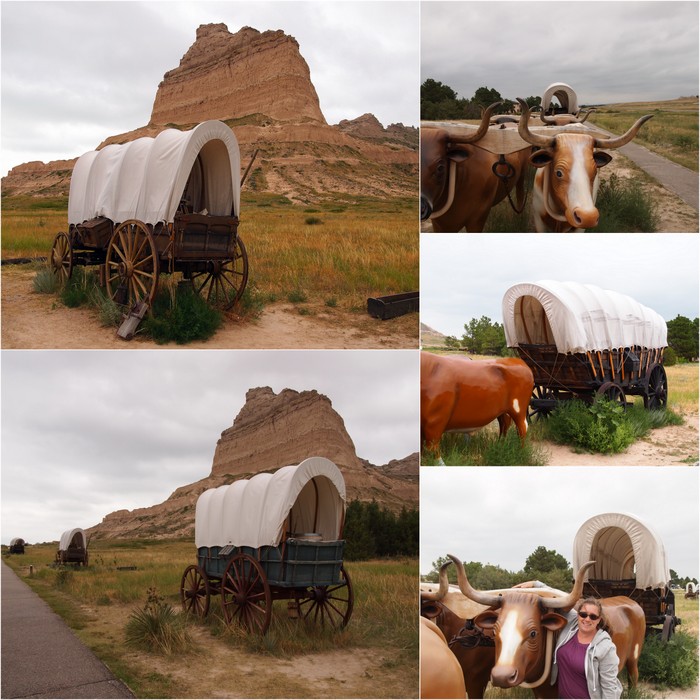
x: 109, y: 313
x: 157, y: 627
x: 77, y: 289
x: 625, y: 207
x: 45, y: 282
x: 64, y: 578
x: 181, y: 317
x: 312, y: 220
x: 297, y: 296
x: 486, y: 448
x: 332, y: 302
x: 673, y: 664
x: 670, y: 357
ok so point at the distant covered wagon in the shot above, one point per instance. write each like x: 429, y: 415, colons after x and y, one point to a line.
x: 272, y: 537
x: 17, y: 545
x: 581, y: 341
x: 630, y: 560
x: 164, y: 204
x: 73, y: 547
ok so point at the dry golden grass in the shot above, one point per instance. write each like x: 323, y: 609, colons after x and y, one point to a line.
x: 683, y: 387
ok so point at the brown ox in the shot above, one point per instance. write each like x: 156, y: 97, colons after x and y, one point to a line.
x: 440, y: 673
x: 462, y: 395
x: 566, y: 183
x: 524, y: 629
x: 457, y: 180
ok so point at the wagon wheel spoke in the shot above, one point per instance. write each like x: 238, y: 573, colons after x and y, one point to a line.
x: 223, y: 282
x: 131, y: 264
x: 245, y: 594
x: 656, y: 395
x: 613, y: 392
x: 328, y: 604
x: 61, y: 260
x: 195, y: 593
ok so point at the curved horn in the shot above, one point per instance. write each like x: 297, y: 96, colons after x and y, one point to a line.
x: 444, y: 585
x: 617, y: 141
x: 477, y: 596
x: 525, y: 135
x: 576, y: 592
x: 483, y: 127
x: 588, y: 114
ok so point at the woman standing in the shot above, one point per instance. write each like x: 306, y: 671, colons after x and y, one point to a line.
x: 585, y: 658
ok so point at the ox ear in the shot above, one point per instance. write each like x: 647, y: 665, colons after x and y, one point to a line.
x: 601, y: 158
x: 487, y: 619
x: 541, y: 158
x: 553, y: 621
x: 457, y: 154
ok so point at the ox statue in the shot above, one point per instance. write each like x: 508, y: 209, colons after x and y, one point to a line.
x: 566, y: 183
x: 472, y: 646
x: 562, y: 119
x: 440, y: 672
x: 462, y: 395
x: 524, y: 628
x: 459, y: 182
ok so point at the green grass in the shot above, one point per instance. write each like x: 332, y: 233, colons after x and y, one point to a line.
x: 625, y: 207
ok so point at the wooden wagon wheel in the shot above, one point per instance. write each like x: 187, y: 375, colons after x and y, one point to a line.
x: 656, y: 394
x: 224, y: 281
x: 195, y: 592
x: 131, y: 266
x: 540, y: 393
x: 245, y: 594
x: 329, y: 604
x: 61, y: 260
x: 613, y: 392
x: 669, y: 627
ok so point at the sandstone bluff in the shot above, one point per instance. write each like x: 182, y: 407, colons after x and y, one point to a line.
x: 259, y: 84
x: 271, y: 431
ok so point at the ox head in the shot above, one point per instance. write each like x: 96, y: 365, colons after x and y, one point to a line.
x: 572, y: 163
x: 439, y: 150
x: 520, y: 622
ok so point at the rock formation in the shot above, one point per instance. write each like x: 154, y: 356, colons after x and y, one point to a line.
x: 259, y: 84
x: 272, y: 431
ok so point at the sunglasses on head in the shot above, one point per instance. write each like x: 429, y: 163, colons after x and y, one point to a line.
x: 593, y: 616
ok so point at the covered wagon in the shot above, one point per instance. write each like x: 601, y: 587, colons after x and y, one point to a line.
x: 275, y: 536
x: 630, y: 560
x: 581, y: 341
x: 164, y: 204
x: 73, y: 547
x: 17, y: 545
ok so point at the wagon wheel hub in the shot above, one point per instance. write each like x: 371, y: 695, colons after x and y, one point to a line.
x: 126, y: 269
x: 214, y: 267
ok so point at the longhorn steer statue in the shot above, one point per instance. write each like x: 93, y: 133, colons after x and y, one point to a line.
x: 566, y: 184
x: 462, y: 395
x: 440, y: 672
x: 524, y: 629
x: 458, y: 182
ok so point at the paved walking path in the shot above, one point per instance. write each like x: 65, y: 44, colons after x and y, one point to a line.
x: 673, y: 177
x: 41, y: 657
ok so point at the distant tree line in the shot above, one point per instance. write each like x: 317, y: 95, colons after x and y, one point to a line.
x: 372, y: 531
x: 486, y: 337
x: 439, y: 102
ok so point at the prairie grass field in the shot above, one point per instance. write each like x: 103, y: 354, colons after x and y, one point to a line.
x: 96, y: 602
x: 339, y: 253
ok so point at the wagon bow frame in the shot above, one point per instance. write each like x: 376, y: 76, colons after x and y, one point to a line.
x: 168, y: 203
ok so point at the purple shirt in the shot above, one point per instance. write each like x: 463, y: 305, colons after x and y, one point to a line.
x: 571, y: 660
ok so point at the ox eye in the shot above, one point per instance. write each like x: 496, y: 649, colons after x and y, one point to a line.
x: 533, y: 634
x: 559, y: 174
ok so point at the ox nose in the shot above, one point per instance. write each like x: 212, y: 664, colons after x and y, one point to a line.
x: 425, y: 209
x: 585, y: 218
x: 504, y: 676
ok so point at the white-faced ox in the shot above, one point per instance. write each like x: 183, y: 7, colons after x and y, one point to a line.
x: 525, y: 627
x: 566, y: 184
x: 458, y: 179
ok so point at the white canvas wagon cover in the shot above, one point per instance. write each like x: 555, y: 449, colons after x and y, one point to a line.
x: 253, y: 512
x: 564, y: 93
x: 624, y: 547
x: 578, y: 317
x: 145, y: 179
x: 68, y: 536
x: 16, y: 540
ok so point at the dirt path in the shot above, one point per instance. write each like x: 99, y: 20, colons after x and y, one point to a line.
x: 669, y: 446
x: 40, y: 321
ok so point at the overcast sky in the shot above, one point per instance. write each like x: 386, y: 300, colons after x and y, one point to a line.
x: 500, y: 515
x: 88, y: 433
x: 74, y: 73
x: 606, y: 51
x: 465, y: 276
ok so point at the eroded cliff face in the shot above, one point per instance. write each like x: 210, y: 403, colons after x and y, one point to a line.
x: 229, y: 76
x: 272, y: 431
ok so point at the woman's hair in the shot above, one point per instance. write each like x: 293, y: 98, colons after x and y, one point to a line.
x: 595, y: 602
